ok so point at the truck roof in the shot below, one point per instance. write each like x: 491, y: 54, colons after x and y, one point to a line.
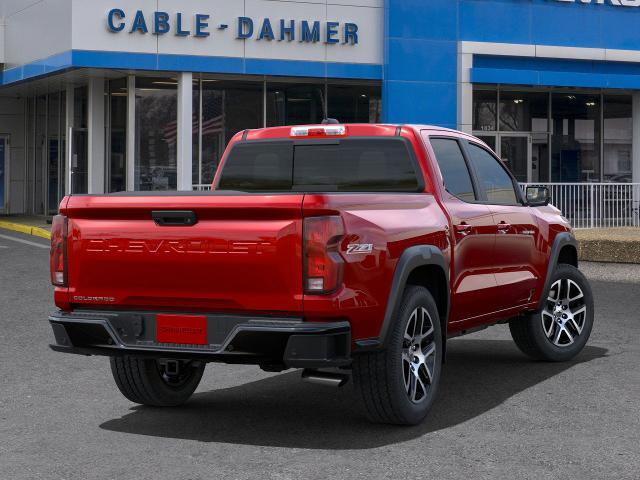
x: 352, y: 129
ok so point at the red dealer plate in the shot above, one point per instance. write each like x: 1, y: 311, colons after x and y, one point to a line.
x: 182, y: 329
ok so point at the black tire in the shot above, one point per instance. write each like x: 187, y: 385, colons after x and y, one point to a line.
x: 532, y: 333
x: 380, y: 377
x: 145, y: 381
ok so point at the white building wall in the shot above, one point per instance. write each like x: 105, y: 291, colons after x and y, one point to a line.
x: 90, y: 30
x: 35, y: 30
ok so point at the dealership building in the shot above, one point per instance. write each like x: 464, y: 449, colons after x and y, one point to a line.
x: 105, y: 95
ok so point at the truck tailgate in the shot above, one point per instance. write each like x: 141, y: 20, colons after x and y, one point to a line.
x: 243, y: 254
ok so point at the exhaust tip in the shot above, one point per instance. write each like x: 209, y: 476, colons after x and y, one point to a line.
x: 327, y: 379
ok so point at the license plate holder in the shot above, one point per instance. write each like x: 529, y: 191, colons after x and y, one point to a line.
x: 181, y: 329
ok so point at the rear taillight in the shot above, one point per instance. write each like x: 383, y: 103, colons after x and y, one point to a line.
x: 323, y: 264
x: 58, y: 258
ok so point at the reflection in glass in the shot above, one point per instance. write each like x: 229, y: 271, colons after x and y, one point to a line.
x: 514, y: 152
x: 80, y: 142
x: 575, y: 152
x: 484, y: 110
x: 524, y: 111
x: 295, y: 104
x: 156, y: 134
x: 117, y: 155
x: 490, y: 140
x: 227, y: 108
x: 41, y: 154
x: 617, y: 138
x: 354, y: 103
x: 539, y: 157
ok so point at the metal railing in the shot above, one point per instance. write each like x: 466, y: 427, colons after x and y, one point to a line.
x: 586, y: 205
x: 596, y: 205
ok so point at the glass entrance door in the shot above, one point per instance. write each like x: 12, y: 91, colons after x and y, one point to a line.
x: 515, y: 152
x: 3, y: 172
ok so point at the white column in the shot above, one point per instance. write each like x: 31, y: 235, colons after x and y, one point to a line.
x: 636, y: 138
x: 131, y: 133
x: 70, y: 90
x: 96, y: 133
x: 185, y: 133
x: 465, y: 91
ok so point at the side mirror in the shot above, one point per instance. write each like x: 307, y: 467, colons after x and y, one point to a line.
x: 538, y: 196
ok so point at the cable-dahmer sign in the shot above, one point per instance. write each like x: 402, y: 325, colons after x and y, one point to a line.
x: 200, y: 25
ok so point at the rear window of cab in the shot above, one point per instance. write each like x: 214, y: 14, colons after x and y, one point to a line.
x: 345, y: 165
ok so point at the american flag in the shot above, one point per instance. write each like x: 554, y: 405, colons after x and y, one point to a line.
x: 212, y: 126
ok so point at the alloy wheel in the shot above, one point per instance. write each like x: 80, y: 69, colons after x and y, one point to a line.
x: 418, y: 355
x: 565, y: 312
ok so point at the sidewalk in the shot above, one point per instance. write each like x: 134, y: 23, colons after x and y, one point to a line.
x: 30, y: 225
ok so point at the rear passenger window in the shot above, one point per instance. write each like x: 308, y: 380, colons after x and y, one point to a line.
x: 258, y: 167
x: 453, y: 167
x: 356, y: 165
x: 493, y: 177
x: 350, y: 165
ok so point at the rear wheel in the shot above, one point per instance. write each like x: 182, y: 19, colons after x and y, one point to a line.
x: 561, y: 329
x: 398, y: 385
x: 157, y: 383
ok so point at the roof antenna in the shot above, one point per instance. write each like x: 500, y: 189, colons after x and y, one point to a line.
x: 330, y: 121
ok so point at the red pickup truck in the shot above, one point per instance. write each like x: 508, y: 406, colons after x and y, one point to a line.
x: 343, y: 250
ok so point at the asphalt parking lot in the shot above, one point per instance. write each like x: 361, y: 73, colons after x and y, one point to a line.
x: 498, y: 415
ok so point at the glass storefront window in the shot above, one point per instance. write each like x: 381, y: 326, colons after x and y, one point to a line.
x: 575, y: 152
x: 156, y: 134
x: 40, y: 154
x: 354, y: 103
x: 295, y: 103
x: 117, y: 146
x: 618, y: 138
x: 485, y: 110
x: 53, y: 152
x: 80, y: 142
x: 524, y: 111
x: 227, y: 107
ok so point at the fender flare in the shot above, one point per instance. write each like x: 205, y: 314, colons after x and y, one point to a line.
x: 411, y: 258
x: 562, y: 240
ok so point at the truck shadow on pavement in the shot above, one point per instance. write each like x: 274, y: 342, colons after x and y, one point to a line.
x: 283, y: 411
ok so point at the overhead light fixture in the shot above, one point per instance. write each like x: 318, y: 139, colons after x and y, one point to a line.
x: 590, y: 104
x: 518, y: 100
x: 571, y: 97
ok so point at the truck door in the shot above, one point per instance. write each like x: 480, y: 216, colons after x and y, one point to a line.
x: 473, y: 236
x: 517, y: 232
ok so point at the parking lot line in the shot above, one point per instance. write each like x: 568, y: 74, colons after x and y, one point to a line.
x: 26, y: 242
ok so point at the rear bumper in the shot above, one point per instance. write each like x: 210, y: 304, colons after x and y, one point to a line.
x: 266, y: 341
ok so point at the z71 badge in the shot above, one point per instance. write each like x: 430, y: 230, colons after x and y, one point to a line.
x: 356, y: 248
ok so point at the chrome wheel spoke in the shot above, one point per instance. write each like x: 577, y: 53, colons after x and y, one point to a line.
x: 575, y: 325
x: 418, y: 355
x: 579, y: 311
x: 564, y: 315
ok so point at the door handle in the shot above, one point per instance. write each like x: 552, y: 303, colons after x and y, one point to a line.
x: 174, y: 218
x: 503, y: 227
x: 464, y: 228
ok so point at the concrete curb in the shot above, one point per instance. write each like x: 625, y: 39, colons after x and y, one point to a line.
x: 26, y: 229
x: 613, y: 245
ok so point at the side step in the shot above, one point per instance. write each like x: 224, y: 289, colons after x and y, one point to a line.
x: 327, y: 379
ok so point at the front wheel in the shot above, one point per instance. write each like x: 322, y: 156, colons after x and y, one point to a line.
x: 398, y: 385
x: 157, y: 383
x: 561, y: 329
